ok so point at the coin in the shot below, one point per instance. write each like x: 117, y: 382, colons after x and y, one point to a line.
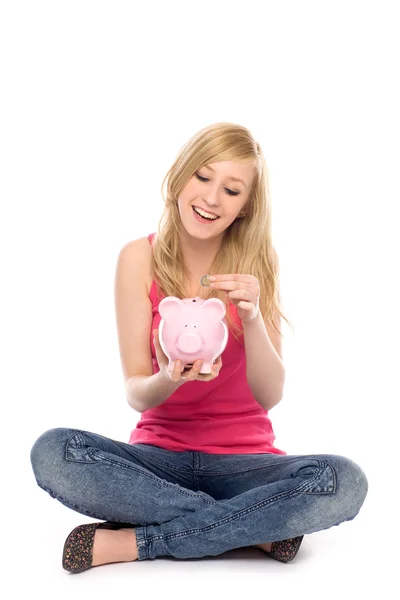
x: 205, y: 281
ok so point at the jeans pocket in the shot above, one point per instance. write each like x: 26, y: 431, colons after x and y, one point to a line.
x: 78, y: 451
x: 320, y: 478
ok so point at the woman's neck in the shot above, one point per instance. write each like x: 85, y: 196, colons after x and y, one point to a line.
x: 198, y: 255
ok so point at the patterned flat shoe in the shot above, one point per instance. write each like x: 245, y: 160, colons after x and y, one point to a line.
x: 78, y: 548
x: 286, y: 550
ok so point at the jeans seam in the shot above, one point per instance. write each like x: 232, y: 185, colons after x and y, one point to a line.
x: 230, y: 518
x: 177, y: 488
x: 196, y: 469
x: 141, y: 541
x: 172, y: 467
x: 323, y: 464
x: 162, y: 463
x: 246, y: 470
x: 79, y: 439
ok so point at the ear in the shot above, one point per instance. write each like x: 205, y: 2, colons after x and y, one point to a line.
x: 214, y: 308
x: 170, y: 307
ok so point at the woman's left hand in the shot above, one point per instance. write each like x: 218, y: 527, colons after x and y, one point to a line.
x: 242, y: 290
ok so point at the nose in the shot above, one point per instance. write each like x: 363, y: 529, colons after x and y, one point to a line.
x: 211, y: 196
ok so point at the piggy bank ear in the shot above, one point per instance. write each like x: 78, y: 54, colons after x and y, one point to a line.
x: 170, y: 307
x: 214, y: 308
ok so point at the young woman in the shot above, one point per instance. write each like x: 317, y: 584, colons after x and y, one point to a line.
x: 200, y: 474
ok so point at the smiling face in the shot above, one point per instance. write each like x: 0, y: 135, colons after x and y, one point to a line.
x: 214, y: 196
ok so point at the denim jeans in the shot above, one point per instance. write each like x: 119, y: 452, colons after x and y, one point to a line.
x: 193, y: 504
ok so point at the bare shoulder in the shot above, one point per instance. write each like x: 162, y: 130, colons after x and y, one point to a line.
x: 135, y: 258
x: 133, y: 308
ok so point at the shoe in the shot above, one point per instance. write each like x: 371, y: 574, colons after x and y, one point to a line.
x: 78, y: 548
x: 285, y: 550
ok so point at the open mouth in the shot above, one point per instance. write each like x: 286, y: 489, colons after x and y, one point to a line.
x: 202, y: 218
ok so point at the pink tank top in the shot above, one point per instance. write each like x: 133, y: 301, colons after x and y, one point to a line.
x: 219, y: 416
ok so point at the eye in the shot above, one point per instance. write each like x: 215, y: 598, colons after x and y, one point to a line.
x: 201, y: 178
x: 231, y: 192
x: 228, y: 191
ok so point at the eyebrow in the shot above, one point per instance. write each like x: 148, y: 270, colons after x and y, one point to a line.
x: 232, y: 178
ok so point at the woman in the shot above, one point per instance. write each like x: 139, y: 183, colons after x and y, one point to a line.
x: 200, y: 474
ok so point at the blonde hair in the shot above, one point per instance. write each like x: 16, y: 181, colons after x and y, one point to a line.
x: 246, y: 247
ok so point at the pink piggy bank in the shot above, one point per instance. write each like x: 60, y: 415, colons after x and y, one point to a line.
x: 191, y: 329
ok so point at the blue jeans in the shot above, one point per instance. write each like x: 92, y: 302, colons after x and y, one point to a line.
x: 193, y: 504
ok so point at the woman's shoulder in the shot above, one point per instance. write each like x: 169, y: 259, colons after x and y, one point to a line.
x: 137, y: 253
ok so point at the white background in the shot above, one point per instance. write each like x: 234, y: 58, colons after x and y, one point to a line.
x: 97, y: 98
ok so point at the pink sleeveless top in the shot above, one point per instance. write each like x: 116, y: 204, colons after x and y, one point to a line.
x: 219, y: 416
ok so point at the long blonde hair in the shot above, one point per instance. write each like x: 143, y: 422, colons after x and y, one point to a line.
x: 247, y: 246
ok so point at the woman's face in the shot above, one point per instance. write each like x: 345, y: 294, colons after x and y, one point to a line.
x: 219, y: 189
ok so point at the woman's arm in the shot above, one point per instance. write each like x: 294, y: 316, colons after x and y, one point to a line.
x: 133, y: 308
x: 264, y: 366
x: 265, y: 370
x: 144, y: 391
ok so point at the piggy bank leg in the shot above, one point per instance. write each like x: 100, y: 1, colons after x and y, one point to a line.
x: 170, y: 365
x: 206, y: 368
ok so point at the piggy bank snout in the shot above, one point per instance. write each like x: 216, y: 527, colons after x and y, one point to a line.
x: 189, y: 342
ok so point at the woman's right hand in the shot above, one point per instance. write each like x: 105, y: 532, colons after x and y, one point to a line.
x: 178, y: 374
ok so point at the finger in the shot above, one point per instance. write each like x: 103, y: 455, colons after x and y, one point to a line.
x: 156, y: 341
x: 215, y: 370
x: 248, y: 306
x: 157, y: 344
x: 230, y: 285
x: 232, y: 277
x: 194, y: 371
x: 175, y: 373
x: 242, y: 295
x: 217, y: 366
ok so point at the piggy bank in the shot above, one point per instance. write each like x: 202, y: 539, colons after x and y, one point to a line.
x: 191, y: 329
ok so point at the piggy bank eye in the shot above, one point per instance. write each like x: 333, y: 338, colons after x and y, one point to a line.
x: 194, y: 300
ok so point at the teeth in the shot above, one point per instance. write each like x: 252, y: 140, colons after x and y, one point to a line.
x: 204, y: 214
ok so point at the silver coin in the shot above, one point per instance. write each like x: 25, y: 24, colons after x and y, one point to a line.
x: 205, y: 281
